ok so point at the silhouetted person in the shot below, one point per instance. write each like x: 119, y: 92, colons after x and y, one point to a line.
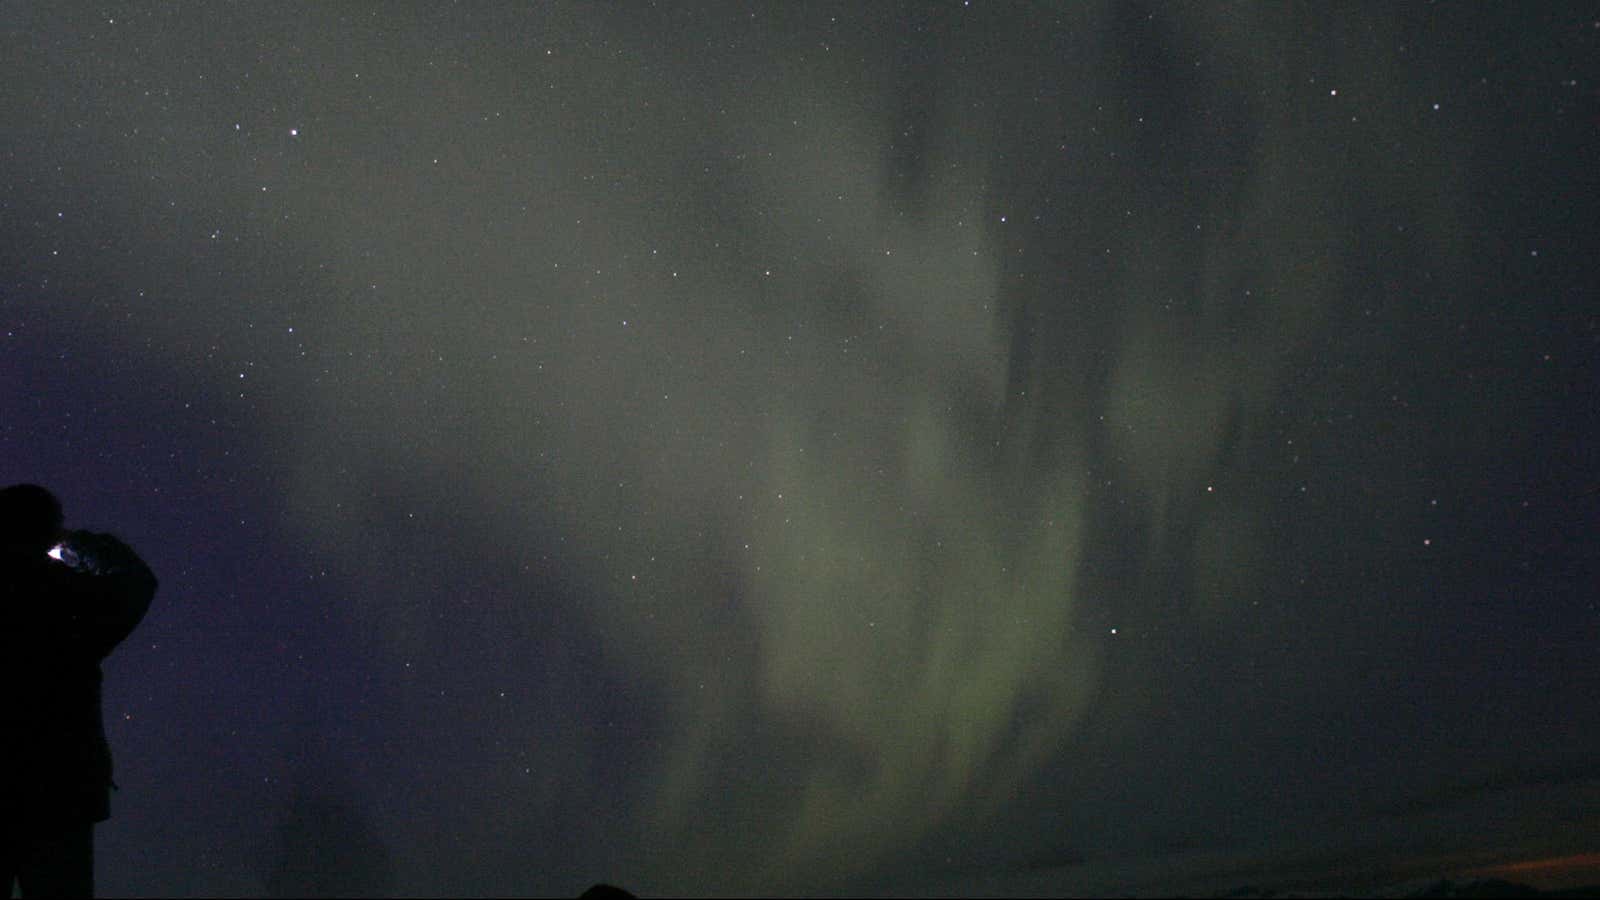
x: 66, y: 599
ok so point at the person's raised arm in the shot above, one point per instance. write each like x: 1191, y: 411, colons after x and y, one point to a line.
x: 102, y: 603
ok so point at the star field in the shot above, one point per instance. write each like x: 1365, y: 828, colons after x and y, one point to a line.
x: 904, y: 448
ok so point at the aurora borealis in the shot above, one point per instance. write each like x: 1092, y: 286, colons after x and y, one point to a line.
x: 723, y: 447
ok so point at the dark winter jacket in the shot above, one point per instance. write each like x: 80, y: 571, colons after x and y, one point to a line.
x: 56, y: 624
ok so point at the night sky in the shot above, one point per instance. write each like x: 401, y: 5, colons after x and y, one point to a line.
x: 820, y: 446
